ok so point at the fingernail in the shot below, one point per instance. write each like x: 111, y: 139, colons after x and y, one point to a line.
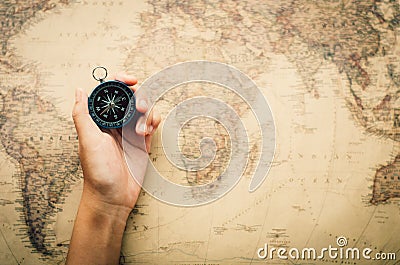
x: 150, y: 129
x: 142, y: 128
x: 78, y: 95
x: 143, y: 103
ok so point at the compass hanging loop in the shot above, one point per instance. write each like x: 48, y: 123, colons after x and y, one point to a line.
x: 96, y: 77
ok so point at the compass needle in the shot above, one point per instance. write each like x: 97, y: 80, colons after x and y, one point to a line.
x: 117, y: 99
x: 105, y: 110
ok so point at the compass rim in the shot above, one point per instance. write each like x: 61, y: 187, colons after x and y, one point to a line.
x: 128, y: 114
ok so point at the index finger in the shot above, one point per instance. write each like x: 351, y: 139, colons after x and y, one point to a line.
x: 141, y: 103
x: 127, y: 79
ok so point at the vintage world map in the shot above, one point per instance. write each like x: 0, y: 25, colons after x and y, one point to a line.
x: 329, y: 69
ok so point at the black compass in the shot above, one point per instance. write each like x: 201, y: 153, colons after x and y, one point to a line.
x: 112, y: 103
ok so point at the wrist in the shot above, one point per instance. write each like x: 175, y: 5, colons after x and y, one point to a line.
x: 95, y: 206
x: 99, y: 227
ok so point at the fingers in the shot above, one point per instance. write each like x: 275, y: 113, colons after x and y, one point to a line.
x: 141, y: 126
x: 127, y: 79
x: 148, y: 139
x: 85, y: 126
x: 156, y: 120
x: 146, y: 125
x: 149, y: 121
x: 141, y: 103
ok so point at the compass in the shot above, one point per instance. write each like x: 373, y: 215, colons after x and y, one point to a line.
x: 111, y: 103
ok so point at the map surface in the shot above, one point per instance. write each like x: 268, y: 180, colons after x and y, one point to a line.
x: 330, y: 71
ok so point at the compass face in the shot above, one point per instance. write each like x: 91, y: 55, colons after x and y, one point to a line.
x: 112, y: 104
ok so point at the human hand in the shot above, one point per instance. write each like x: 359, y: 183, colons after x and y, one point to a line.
x: 109, y: 190
x: 108, y: 184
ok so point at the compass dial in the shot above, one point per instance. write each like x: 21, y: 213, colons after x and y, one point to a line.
x: 112, y: 104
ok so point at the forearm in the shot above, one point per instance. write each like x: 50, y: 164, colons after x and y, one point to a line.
x: 97, y: 233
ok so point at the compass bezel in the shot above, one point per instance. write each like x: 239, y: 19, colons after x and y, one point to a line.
x: 129, y: 113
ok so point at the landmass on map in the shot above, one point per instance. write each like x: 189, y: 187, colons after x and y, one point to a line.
x: 16, y: 14
x: 41, y: 142
x: 387, y: 182
x: 358, y: 37
x: 45, y: 148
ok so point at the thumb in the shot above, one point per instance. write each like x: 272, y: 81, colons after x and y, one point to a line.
x: 85, y: 126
